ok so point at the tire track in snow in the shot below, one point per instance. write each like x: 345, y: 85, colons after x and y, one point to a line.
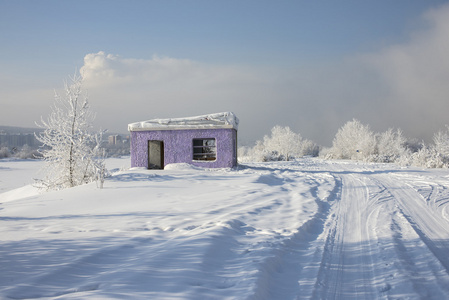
x: 421, y: 272
x: 351, y: 267
x: 290, y: 270
x: 347, y: 270
x: 415, y: 270
x: 434, y: 191
x: 428, y: 223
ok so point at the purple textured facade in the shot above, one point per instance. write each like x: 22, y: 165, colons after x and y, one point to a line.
x: 178, y: 146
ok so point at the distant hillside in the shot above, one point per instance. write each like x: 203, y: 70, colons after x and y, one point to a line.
x: 18, y: 130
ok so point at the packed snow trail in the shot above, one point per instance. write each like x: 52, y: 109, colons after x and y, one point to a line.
x: 348, y: 271
x: 430, y: 226
x: 308, y: 229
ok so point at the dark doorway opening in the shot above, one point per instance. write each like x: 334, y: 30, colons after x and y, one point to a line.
x: 155, y: 154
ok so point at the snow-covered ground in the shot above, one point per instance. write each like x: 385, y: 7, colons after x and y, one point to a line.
x: 308, y: 229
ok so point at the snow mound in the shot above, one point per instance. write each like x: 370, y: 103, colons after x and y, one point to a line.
x: 19, y: 193
x: 181, y: 167
x: 138, y: 169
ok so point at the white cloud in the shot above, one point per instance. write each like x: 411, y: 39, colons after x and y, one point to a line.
x: 102, y: 68
x: 138, y: 89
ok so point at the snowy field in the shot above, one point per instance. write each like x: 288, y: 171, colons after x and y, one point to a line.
x: 308, y: 229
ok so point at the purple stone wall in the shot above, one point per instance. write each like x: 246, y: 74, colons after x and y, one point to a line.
x: 178, y: 146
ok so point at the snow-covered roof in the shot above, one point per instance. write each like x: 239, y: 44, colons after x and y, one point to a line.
x: 217, y: 120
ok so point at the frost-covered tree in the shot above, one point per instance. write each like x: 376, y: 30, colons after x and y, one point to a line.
x: 356, y: 141
x: 70, y: 147
x: 427, y: 157
x: 283, y: 141
x: 353, y: 141
x: 390, y: 146
x: 259, y: 153
x: 282, y: 144
x: 434, y: 155
x: 441, y: 141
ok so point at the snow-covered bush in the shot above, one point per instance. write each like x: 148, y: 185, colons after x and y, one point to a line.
x: 259, y: 153
x: 441, y: 141
x: 413, y: 145
x: 390, y: 146
x: 325, y: 153
x: 434, y: 155
x: 27, y: 153
x: 309, y: 148
x: 426, y: 157
x: 242, y: 151
x: 69, y: 144
x: 4, y: 152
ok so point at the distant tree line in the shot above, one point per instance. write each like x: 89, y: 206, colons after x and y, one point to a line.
x: 27, y: 151
x: 353, y: 141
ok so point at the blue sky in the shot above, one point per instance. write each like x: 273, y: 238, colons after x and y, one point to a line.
x: 327, y: 59
x: 62, y: 32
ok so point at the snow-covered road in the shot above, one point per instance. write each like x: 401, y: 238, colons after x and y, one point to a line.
x: 308, y: 229
x: 385, y: 240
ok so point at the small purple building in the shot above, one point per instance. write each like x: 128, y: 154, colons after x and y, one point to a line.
x: 208, y: 141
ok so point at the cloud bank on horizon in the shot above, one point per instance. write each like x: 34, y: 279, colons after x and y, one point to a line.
x: 402, y: 85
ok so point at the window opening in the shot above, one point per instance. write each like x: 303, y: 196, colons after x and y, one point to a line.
x: 204, y: 149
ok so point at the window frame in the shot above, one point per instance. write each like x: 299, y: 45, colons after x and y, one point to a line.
x: 202, y: 151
